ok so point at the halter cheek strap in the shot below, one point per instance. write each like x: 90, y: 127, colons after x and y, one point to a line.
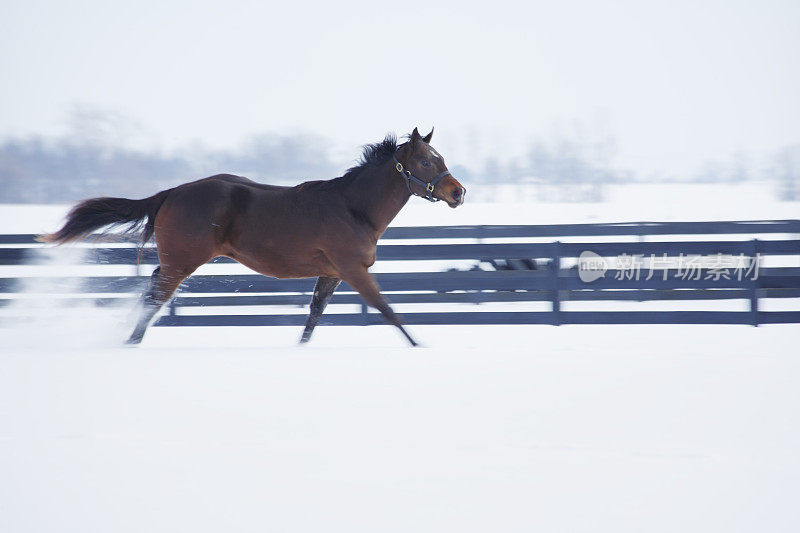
x: 427, y: 185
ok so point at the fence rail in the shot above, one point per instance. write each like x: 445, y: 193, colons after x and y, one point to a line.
x: 551, y: 272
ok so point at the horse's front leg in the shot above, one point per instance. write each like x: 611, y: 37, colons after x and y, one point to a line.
x: 323, y: 291
x: 362, y: 281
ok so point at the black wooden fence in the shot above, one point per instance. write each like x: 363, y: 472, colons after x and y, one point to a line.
x: 753, y: 262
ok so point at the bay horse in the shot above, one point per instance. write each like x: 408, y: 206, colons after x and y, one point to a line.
x: 328, y: 229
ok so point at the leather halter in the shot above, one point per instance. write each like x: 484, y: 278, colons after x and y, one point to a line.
x: 427, y: 185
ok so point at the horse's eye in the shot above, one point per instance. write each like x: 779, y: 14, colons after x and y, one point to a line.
x: 426, y: 163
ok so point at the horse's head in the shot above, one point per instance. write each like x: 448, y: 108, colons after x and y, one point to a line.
x: 425, y: 172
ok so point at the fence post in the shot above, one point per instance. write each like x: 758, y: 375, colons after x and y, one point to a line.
x: 753, y: 285
x: 555, y: 267
x: 640, y: 293
x: 139, y: 254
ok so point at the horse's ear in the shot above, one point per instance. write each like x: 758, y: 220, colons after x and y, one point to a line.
x: 415, y: 137
x: 427, y: 138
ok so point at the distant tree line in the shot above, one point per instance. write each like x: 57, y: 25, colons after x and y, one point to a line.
x: 46, y: 171
x: 787, y: 171
x: 63, y: 170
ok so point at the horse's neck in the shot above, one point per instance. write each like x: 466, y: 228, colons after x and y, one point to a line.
x: 379, y: 194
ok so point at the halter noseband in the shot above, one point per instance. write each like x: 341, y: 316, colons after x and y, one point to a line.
x: 427, y: 185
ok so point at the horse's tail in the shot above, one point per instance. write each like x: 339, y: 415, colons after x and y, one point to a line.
x: 95, y: 213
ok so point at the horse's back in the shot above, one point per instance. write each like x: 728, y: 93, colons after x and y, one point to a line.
x: 209, y: 197
x: 241, y: 180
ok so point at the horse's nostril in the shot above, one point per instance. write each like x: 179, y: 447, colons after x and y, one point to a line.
x: 457, y: 194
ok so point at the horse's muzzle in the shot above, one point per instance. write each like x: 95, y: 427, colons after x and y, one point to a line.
x: 457, y: 196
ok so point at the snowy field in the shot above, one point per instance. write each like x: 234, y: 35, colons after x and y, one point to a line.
x: 486, y: 429
x: 494, y: 428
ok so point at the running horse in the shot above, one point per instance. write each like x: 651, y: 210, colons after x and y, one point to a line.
x: 328, y: 229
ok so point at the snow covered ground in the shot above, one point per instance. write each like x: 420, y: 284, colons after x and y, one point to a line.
x: 486, y: 429
x: 494, y: 428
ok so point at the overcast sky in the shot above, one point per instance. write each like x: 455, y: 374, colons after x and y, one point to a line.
x: 675, y: 82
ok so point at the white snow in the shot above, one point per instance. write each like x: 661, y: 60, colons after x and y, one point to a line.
x: 499, y: 428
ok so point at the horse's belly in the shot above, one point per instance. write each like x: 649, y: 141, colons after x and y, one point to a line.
x: 286, y: 265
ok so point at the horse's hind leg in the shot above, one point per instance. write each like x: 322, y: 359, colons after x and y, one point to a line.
x: 323, y: 291
x: 162, y: 285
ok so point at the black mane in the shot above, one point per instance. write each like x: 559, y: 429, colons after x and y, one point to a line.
x: 374, y: 154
